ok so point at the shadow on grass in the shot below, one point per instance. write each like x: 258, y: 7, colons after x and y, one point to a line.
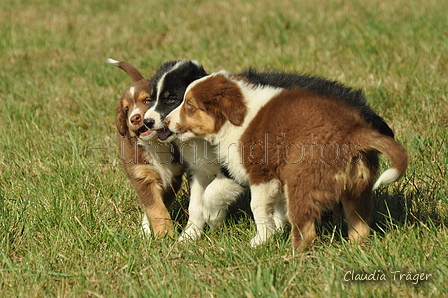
x: 392, y: 208
x: 400, y: 208
x: 236, y: 212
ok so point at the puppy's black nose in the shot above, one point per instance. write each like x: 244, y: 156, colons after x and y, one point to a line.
x: 149, y: 123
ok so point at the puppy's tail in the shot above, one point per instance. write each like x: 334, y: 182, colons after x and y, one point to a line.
x: 393, y: 150
x: 133, y: 72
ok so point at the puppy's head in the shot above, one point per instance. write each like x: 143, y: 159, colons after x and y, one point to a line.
x: 167, y: 89
x: 133, y: 104
x: 208, y: 103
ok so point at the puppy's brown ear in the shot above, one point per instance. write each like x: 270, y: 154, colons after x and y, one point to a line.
x: 121, y: 120
x: 133, y: 72
x: 231, y: 103
x: 235, y: 111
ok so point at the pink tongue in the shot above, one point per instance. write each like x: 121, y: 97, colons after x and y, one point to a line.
x: 146, y: 132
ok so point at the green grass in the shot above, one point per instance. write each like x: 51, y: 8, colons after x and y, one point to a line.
x: 69, y: 219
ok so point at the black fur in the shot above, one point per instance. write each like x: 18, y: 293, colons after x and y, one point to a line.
x: 322, y: 87
x: 175, y: 77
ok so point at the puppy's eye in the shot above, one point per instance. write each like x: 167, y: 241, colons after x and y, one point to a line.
x: 126, y: 110
x: 189, y: 105
x: 169, y: 101
x: 147, y: 101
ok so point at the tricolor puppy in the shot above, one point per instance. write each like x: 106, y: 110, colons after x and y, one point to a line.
x: 326, y: 88
x: 154, y: 168
x: 314, y: 148
x: 211, y: 192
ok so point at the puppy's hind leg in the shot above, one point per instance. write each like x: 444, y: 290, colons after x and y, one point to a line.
x: 358, y: 212
x: 302, y: 213
x: 357, y: 201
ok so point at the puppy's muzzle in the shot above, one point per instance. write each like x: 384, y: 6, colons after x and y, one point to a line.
x: 149, y: 123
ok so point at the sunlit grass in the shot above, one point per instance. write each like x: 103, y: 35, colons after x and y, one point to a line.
x: 69, y: 219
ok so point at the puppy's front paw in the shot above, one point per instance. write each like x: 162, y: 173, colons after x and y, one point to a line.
x: 146, y: 230
x: 257, y: 240
x: 146, y: 226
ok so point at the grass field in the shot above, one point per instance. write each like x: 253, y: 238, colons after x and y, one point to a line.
x: 69, y: 219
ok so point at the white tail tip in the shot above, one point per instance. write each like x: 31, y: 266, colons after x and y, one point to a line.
x: 112, y: 61
x: 389, y: 176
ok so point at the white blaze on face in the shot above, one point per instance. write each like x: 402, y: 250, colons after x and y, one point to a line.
x: 152, y: 113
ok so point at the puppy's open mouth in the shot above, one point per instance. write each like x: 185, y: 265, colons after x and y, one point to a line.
x: 144, y: 131
x: 164, y: 133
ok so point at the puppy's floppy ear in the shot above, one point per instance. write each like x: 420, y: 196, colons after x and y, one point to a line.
x: 121, y: 120
x: 233, y: 110
x: 133, y: 72
x: 230, y: 102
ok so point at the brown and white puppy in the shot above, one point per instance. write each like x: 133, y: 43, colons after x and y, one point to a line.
x: 315, y: 149
x: 153, y: 167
